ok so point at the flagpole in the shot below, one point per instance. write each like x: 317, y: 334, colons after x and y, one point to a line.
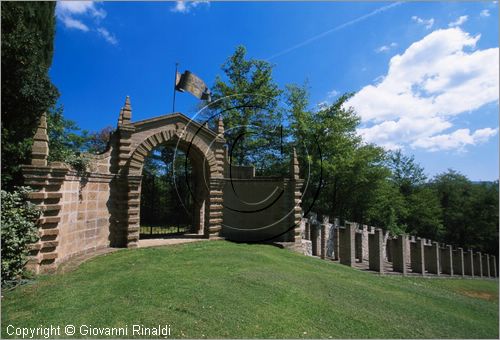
x: 175, y: 85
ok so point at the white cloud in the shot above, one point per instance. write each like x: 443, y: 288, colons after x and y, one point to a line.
x: 182, y: 6
x: 433, y: 81
x: 332, y: 94
x: 81, y: 15
x: 68, y: 8
x: 462, y: 19
x: 385, y: 48
x: 69, y: 22
x: 485, y: 13
x: 456, y: 140
x: 107, y: 36
x: 428, y: 23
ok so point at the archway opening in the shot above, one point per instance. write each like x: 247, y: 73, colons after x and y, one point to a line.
x: 173, y: 193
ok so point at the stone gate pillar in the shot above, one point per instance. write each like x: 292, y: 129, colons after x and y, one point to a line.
x: 47, y: 181
x: 216, y: 190
x: 125, y: 188
x: 296, y: 184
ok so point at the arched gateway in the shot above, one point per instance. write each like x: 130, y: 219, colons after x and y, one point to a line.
x: 100, y: 207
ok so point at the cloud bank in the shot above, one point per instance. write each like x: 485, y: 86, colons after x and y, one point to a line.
x: 435, y: 80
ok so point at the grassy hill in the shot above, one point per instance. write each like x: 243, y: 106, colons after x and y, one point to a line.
x: 221, y: 289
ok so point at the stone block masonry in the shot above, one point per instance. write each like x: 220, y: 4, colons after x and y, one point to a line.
x: 432, y: 262
x: 346, y: 244
x: 417, y: 256
x: 493, y: 266
x: 469, y: 263
x: 486, y: 265
x: 375, y: 253
x: 478, y: 264
x: 447, y: 260
x: 399, y: 251
x: 99, y: 207
x: 458, y: 262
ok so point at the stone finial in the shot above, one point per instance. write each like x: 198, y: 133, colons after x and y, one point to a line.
x: 220, y: 127
x: 294, y: 165
x: 125, y: 113
x: 40, y: 148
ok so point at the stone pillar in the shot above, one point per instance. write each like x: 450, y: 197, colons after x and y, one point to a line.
x: 307, y: 229
x: 346, y: 244
x: 486, y: 265
x: 364, y: 243
x: 375, y: 253
x: 216, y: 207
x: 336, y: 240
x: 469, y: 263
x: 432, y: 258
x: 216, y: 193
x: 417, y: 256
x: 324, y: 228
x: 399, y: 254
x: 447, y: 260
x: 297, y: 195
x: 358, y: 245
x: 458, y: 262
x: 478, y: 264
x: 389, y: 248
x: 47, y: 181
x: 40, y: 148
x: 133, y: 211
x: 493, y: 266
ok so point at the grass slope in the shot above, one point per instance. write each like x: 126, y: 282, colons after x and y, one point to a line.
x: 221, y: 289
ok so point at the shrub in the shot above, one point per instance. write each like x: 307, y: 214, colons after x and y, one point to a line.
x: 19, y: 229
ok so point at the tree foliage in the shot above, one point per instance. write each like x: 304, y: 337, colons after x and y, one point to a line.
x: 248, y: 98
x: 346, y: 177
x: 27, y: 47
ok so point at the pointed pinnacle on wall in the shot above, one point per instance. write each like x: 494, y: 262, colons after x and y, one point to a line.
x: 40, y: 148
x: 127, y: 111
x: 220, y: 127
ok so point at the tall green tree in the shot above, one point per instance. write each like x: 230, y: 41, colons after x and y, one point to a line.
x: 27, y: 46
x: 248, y: 99
x: 344, y: 171
x: 469, y: 211
x: 420, y: 212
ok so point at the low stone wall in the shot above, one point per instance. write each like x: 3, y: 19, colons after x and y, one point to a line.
x: 353, y: 244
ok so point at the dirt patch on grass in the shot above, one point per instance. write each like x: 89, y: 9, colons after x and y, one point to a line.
x: 479, y: 294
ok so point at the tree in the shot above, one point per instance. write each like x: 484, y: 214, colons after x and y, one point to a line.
x: 469, y: 211
x: 420, y: 212
x: 346, y: 172
x: 97, y: 142
x: 247, y: 97
x: 27, y: 47
x: 406, y: 173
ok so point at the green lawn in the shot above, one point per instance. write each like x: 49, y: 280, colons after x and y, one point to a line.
x: 221, y: 289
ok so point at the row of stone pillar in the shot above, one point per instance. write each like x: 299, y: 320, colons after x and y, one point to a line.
x: 349, y: 244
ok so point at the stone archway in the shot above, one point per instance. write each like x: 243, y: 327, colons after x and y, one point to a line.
x: 205, y: 166
x: 100, y: 208
x: 134, y: 141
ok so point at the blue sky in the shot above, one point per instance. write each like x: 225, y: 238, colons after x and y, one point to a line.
x: 426, y: 73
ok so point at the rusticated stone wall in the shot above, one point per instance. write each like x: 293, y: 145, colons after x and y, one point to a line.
x: 100, y: 207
